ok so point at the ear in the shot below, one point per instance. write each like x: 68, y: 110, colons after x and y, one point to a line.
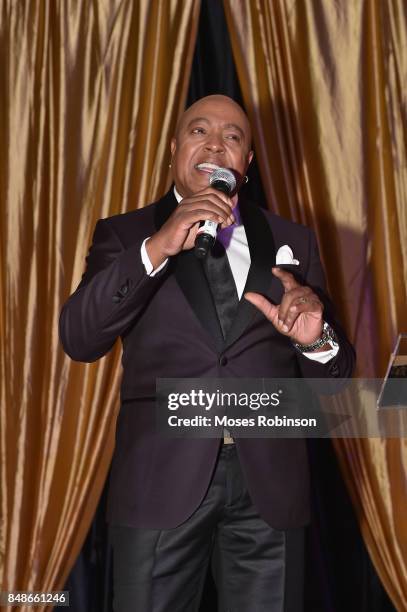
x: 249, y: 158
x: 173, y: 145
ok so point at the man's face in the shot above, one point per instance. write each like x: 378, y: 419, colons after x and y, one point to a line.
x: 212, y: 133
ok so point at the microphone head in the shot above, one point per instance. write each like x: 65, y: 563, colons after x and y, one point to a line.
x: 223, y: 179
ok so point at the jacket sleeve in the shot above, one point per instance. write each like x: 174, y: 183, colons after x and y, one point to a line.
x: 342, y: 365
x: 113, y: 291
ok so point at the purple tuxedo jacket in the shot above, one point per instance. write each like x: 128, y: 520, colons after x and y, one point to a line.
x: 169, y: 329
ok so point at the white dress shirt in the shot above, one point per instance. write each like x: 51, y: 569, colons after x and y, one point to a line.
x: 234, y: 240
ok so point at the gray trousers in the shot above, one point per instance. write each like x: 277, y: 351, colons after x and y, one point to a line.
x: 256, y: 568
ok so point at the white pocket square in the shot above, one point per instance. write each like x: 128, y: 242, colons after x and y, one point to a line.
x: 285, y: 256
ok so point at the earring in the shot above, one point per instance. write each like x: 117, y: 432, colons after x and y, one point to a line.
x: 169, y: 165
x: 246, y: 179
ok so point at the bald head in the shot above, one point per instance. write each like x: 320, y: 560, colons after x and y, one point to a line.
x: 212, y: 102
x: 213, y: 132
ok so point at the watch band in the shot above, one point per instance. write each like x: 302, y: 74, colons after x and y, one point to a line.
x: 328, y: 334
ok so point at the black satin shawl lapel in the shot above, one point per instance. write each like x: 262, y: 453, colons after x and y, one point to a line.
x: 164, y: 208
x: 262, y: 258
x: 191, y: 278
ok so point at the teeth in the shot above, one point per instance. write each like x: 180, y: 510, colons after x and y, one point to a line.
x: 207, y: 166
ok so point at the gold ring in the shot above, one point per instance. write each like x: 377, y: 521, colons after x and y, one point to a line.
x: 302, y: 300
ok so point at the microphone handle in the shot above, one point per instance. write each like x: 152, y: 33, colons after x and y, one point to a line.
x: 205, y: 238
x: 207, y: 231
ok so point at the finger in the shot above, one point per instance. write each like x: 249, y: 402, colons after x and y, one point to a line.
x: 208, y: 204
x: 188, y: 217
x: 269, y: 310
x: 286, y: 278
x: 216, y: 197
x: 217, y: 194
x: 310, y: 303
x: 290, y: 298
x: 223, y: 225
x: 311, y: 307
x: 190, y: 240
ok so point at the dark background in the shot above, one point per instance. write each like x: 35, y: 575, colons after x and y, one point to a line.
x: 339, y: 573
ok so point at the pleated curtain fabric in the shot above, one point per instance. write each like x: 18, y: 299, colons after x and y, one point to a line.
x: 324, y: 84
x: 90, y: 94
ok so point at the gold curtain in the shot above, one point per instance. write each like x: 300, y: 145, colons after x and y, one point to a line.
x: 90, y: 92
x: 325, y: 87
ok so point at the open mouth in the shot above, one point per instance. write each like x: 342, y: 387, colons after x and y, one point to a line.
x: 207, y: 167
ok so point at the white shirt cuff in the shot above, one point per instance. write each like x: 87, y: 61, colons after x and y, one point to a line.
x: 147, y: 263
x: 324, y: 356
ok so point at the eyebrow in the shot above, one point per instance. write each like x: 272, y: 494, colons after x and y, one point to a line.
x: 235, y: 127
x: 196, y: 120
x: 226, y: 126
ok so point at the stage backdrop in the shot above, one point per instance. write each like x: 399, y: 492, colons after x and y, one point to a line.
x: 325, y: 87
x: 89, y: 97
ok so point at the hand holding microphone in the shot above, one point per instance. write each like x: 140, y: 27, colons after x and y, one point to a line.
x: 179, y: 232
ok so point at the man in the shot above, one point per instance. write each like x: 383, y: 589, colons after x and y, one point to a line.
x: 177, y: 504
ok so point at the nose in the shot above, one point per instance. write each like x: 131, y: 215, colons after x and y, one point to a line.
x: 214, y: 143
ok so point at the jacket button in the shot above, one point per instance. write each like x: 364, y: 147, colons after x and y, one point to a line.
x: 116, y: 299
x: 223, y: 360
x: 124, y: 289
x: 334, y: 370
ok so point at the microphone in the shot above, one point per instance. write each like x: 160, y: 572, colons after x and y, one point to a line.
x: 223, y: 180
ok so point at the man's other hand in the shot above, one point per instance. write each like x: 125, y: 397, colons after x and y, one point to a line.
x: 299, y: 315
